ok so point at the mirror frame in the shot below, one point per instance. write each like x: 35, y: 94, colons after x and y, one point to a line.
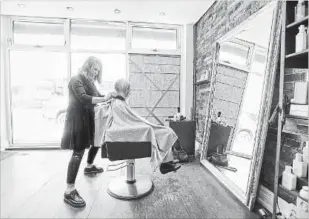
x: 248, y: 198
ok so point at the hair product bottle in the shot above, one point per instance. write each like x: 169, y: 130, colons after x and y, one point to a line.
x: 288, y: 178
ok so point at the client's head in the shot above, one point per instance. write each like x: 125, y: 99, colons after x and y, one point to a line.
x: 122, y: 87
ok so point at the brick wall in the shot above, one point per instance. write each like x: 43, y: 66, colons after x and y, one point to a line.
x: 220, y: 18
x: 150, y: 77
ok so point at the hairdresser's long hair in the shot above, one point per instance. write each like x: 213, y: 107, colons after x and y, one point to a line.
x: 90, y: 61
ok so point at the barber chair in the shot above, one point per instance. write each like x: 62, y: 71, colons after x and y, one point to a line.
x: 131, y: 186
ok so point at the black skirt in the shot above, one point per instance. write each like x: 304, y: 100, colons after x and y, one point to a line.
x: 78, y: 133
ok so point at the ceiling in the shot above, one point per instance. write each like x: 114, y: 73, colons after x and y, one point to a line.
x: 154, y: 11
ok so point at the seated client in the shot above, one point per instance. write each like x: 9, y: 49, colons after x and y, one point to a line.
x: 122, y: 124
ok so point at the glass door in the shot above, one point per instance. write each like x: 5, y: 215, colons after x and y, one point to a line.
x: 38, y: 83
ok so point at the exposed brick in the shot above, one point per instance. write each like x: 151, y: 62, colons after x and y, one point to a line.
x: 288, y: 86
x: 295, y: 77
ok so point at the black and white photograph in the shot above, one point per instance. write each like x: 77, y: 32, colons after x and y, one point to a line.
x: 154, y: 109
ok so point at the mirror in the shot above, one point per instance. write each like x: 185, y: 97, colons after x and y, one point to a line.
x: 242, y: 83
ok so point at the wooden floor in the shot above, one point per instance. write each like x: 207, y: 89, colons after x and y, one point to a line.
x: 33, y: 182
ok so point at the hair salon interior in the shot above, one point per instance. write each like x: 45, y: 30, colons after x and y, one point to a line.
x: 229, y: 77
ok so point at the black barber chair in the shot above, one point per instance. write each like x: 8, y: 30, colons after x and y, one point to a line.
x: 132, y: 186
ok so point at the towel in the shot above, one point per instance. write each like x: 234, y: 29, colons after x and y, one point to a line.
x: 117, y: 122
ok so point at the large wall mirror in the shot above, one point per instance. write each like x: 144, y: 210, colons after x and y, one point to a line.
x: 245, y: 63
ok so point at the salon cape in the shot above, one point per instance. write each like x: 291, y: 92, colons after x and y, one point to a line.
x: 117, y: 122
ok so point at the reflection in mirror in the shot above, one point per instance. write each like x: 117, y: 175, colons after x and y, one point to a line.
x: 238, y: 91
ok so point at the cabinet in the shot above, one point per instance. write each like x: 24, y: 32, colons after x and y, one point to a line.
x: 293, y: 69
x: 185, y: 130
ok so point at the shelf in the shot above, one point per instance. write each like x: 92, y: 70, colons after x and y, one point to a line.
x: 202, y: 82
x: 291, y: 196
x: 287, y: 195
x: 296, y: 24
x: 297, y: 117
x: 301, y: 181
x: 301, y: 54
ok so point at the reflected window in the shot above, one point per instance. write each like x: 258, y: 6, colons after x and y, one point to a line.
x: 39, y: 100
x: 114, y: 67
x: 154, y: 38
x: 98, y: 36
x: 234, y: 54
x: 38, y: 33
x: 259, y: 61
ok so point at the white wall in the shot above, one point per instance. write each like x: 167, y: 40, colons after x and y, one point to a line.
x: 3, y: 118
x: 186, y: 76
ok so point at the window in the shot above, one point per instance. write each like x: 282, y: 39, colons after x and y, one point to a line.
x: 154, y: 38
x: 234, y: 54
x: 38, y: 33
x: 39, y: 100
x: 114, y: 67
x: 98, y: 36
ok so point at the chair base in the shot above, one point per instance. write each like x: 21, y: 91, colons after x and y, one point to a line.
x: 119, y: 188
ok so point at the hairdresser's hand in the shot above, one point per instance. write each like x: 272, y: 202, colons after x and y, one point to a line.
x: 113, y: 94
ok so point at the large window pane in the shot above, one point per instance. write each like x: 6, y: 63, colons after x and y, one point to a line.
x: 151, y: 38
x: 98, y: 36
x: 38, y: 34
x: 38, y: 85
x: 114, y: 67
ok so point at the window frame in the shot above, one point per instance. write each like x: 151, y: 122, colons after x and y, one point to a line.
x: 176, y: 28
x: 249, y: 57
x: 84, y: 21
x: 66, y: 48
x: 62, y: 21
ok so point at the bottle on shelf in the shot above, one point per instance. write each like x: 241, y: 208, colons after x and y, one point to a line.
x: 218, y: 119
x: 302, y: 210
x: 299, y: 167
x: 300, y: 10
x: 288, y: 178
x: 178, y: 114
x: 304, y: 192
x: 301, y: 39
x: 306, y: 152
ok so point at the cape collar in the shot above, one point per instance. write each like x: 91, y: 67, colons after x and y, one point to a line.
x: 120, y: 98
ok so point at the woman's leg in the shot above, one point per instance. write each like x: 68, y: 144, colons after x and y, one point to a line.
x: 91, y: 156
x: 71, y: 196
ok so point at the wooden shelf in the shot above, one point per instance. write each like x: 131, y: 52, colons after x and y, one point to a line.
x: 297, y: 117
x: 296, y: 24
x: 301, y: 181
x: 202, y: 82
x: 291, y: 196
x: 287, y: 195
x: 301, y: 54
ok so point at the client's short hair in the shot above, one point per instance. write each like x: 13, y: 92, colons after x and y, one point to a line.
x: 122, y: 86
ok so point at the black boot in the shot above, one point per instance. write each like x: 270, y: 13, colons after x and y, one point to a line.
x: 74, y: 199
x: 169, y: 167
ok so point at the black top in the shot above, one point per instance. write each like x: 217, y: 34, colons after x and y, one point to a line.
x: 79, y: 126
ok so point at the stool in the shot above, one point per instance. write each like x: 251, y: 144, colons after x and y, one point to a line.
x: 131, y: 186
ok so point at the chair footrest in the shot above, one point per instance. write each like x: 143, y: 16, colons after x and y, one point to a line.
x: 121, y: 189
